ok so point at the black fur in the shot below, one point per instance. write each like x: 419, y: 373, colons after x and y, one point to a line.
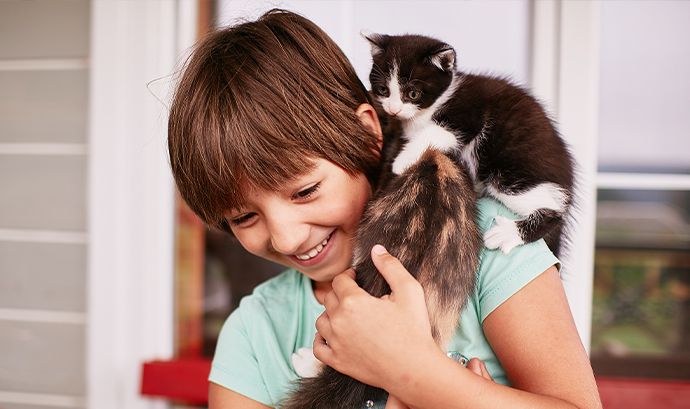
x: 520, y: 147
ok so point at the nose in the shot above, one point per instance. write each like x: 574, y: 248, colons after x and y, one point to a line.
x: 287, y: 235
x: 394, y: 109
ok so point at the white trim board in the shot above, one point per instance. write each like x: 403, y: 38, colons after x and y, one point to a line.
x: 12, y: 148
x: 578, y: 110
x: 565, y: 64
x: 44, y: 236
x: 44, y: 316
x: 131, y: 196
x: 65, y: 64
x: 642, y: 181
x: 42, y: 399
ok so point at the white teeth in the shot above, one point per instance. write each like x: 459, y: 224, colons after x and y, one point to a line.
x: 315, y: 251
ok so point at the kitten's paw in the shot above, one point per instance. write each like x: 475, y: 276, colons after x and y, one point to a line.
x: 305, y: 363
x: 400, y: 164
x: 503, y: 235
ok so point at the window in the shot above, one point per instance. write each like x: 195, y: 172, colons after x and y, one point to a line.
x: 641, y: 303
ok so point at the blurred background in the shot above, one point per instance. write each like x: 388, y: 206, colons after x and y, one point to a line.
x: 112, y: 292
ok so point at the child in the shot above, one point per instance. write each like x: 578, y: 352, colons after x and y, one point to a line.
x: 272, y: 136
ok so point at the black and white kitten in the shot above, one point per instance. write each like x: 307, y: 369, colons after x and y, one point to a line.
x: 502, y: 134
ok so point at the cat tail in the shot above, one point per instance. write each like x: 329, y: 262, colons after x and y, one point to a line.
x: 333, y: 390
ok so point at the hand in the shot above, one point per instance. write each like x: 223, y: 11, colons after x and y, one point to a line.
x: 379, y: 341
x: 475, y: 365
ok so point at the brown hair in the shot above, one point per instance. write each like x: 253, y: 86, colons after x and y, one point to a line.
x: 255, y: 103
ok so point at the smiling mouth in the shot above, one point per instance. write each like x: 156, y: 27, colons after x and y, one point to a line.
x: 315, y: 251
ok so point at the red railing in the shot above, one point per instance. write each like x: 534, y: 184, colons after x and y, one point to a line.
x: 185, y: 381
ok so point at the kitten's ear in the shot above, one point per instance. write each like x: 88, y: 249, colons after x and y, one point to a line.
x: 377, y: 41
x: 444, y: 58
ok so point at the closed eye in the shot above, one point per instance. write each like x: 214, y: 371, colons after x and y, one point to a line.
x: 306, y: 193
x: 238, y: 221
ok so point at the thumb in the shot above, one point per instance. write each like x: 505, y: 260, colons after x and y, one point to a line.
x: 395, y: 274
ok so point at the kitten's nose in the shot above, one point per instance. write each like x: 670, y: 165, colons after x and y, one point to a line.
x: 395, y: 113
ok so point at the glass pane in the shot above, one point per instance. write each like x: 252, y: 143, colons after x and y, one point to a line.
x: 230, y: 273
x: 644, y: 87
x: 641, y: 310
x: 213, y: 273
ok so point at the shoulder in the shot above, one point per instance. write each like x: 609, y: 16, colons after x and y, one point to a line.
x: 502, y: 275
x: 274, y: 296
x: 280, y: 285
x: 487, y: 209
x: 279, y: 289
x: 253, y: 348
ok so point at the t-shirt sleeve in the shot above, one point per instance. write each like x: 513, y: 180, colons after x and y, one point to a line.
x: 501, y: 275
x: 234, y: 364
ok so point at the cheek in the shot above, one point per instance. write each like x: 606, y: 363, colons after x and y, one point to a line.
x: 409, y: 110
x: 359, y: 197
x: 251, y: 240
x: 346, y: 215
x: 388, y: 103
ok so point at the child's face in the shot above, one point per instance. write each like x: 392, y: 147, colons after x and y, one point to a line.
x: 290, y: 226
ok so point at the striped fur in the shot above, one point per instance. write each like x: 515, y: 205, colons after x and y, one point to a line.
x: 426, y: 217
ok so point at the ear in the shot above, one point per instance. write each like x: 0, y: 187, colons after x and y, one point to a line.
x: 367, y: 114
x: 444, y: 58
x: 377, y: 41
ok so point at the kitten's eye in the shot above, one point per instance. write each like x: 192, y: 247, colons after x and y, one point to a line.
x: 244, y: 219
x: 382, y: 90
x: 414, y: 94
x: 306, y: 193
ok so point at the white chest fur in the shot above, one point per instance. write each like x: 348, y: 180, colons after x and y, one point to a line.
x: 421, y: 135
x: 421, y: 132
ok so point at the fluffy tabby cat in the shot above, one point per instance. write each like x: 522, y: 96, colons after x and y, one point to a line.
x: 426, y: 217
x: 498, y: 130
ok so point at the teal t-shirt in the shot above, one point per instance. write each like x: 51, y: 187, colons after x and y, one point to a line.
x: 256, y: 343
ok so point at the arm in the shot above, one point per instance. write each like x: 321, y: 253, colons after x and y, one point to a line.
x: 223, y: 398
x: 543, y: 356
x: 554, y: 363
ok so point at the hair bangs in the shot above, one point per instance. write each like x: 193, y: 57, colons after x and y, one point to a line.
x: 255, y: 105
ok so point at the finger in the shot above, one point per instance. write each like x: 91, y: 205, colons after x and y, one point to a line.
x: 323, y: 326
x: 322, y: 351
x: 344, y: 285
x: 395, y: 403
x: 478, y: 367
x: 330, y: 301
x: 475, y: 366
x: 391, y: 269
x: 485, y: 372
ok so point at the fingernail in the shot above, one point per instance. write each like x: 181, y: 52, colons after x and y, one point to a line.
x: 379, y: 249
